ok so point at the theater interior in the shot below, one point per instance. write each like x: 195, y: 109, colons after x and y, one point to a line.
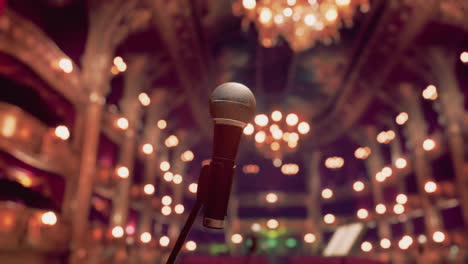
x: 356, y: 152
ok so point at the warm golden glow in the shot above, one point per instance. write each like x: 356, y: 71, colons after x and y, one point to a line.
x: 386, y: 137
x: 271, y: 198
x: 309, y: 238
x: 66, y: 65
x: 292, y: 119
x: 275, y: 146
x: 366, y: 246
x: 401, y: 163
x: 430, y: 187
x: 429, y: 144
x: 303, y: 128
x: 464, y: 57
x: 334, y: 162
x: 166, y: 210
x: 329, y: 219
x: 123, y: 172
x: 401, y: 118
x: 343, y: 2
x: 310, y: 19
x: 277, y: 163
x: 191, y: 245
x: 120, y: 64
x: 250, y: 169
x: 164, y: 241
x: 256, y: 227
x: 187, y: 156
x: 171, y: 141
x: 168, y: 176
x: 147, y: 148
x: 260, y: 137
x: 331, y: 15
x: 162, y: 124
x: 327, y: 193
x: 430, y: 93
x: 62, y: 132
x: 117, y: 232
x: 362, y: 153
x: 249, y: 4
x: 166, y: 200
x: 385, y: 243
x: 165, y: 166
x: 272, y: 224
x: 265, y: 15
x: 9, y: 125
x: 358, y: 186
x: 380, y: 209
x: 405, y: 242
x: 145, y: 237
x: 149, y: 189
x: 398, y: 209
x: 144, y: 99
x: 362, y: 213
x: 277, y: 134
x: 290, y: 169
x: 236, y: 238
x: 179, y: 209
x: 380, y: 177
x: 193, y: 188
x: 276, y: 115
x: 122, y: 123
x: 249, y: 129
x: 438, y: 237
x: 261, y: 120
x: 49, y: 218
x: 401, y: 198
x: 387, y: 172
x: 177, y: 179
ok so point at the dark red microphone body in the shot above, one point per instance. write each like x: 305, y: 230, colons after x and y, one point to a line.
x: 232, y: 106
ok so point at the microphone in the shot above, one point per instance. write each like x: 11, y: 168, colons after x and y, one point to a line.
x: 232, y: 106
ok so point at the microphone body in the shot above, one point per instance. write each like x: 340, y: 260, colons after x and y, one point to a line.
x: 232, y: 106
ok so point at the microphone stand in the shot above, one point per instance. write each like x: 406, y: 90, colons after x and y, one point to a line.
x: 202, y: 188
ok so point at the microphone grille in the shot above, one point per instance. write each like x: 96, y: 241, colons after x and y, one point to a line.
x: 232, y: 104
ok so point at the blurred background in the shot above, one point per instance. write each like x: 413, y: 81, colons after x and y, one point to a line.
x: 356, y: 153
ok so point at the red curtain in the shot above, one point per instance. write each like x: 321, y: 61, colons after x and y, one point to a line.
x: 2, y: 6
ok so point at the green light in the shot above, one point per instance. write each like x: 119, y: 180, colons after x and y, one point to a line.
x: 248, y: 243
x: 272, y: 243
x: 291, y: 242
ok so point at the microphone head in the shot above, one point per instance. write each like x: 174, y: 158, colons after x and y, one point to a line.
x: 232, y: 104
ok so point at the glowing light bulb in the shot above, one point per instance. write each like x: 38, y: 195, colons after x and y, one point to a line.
x: 122, y: 123
x: 144, y: 99
x: 362, y: 153
x: 277, y: 163
x: 236, y: 238
x: 165, y: 166
x: 398, y: 209
x: 358, y: 186
x: 49, y: 218
x: 162, y: 124
x: 329, y: 218
x: 123, y: 172
x: 331, y: 15
x: 277, y: 134
x: 193, y: 187
x: 261, y: 120
x: 343, y: 2
x: 256, y: 227
x: 401, y: 198
x: 166, y: 200
x: 366, y: 246
x: 327, y: 193
x: 187, y: 156
x: 303, y: 128
x: 166, y: 210
x: 265, y: 15
x: 429, y: 144
x: 249, y: 4
x: 292, y: 119
x: 249, y: 129
x: 309, y: 238
x: 380, y: 177
x: 168, y: 176
x: 171, y: 141
x: 147, y: 148
x: 271, y: 198
x: 430, y: 187
x: 62, y: 132
x: 401, y: 163
x: 66, y: 65
x: 405, y: 242
x: 385, y: 243
x: 310, y: 19
x: 145, y: 237
x: 149, y: 189
x: 179, y: 209
x: 272, y: 224
x: 387, y: 172
x: 287, y: 12
x: 177, y: 179
x: 362, y: 213
x: 438, y: 237
x: 401, y: 118
x: 380, y: 209
x: 430, y: 93
x: 276, y: 115
x: 164, y: 241
x: 117, y: 232
x: 260, y: 137
x: 464, y: 57
x: 191, y: 245
x: 275, y: 146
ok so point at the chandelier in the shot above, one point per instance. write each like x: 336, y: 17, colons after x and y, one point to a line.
x: 300, y: 22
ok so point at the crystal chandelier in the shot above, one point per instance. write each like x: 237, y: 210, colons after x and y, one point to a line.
x: 300, y: 22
